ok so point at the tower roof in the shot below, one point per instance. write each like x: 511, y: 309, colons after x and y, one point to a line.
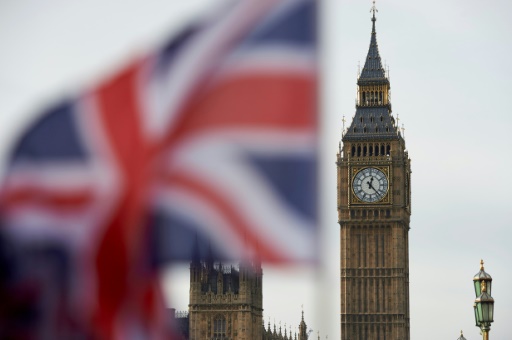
x: 372, y: 123
x: 373, y: 70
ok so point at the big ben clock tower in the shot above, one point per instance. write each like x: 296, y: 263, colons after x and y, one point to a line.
x: 374, y: 208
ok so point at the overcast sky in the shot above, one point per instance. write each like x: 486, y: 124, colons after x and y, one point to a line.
x: 451, y: 86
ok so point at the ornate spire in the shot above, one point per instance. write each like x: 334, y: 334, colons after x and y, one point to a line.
x: 373, y: 119
x: 373, y: 70
x: 303, y: 327
x: 374, y: 9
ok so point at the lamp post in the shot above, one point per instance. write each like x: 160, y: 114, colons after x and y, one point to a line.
x: 484, y: 303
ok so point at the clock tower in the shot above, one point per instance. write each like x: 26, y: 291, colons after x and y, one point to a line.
x: 374, y: 208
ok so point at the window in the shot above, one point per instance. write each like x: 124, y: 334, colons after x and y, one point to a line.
x: 219, y: 328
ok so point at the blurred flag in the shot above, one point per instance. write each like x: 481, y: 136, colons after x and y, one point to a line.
x: 211, y: 140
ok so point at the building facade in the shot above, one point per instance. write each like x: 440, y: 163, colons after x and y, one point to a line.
x: 225, y: 302
x: 374, y: 208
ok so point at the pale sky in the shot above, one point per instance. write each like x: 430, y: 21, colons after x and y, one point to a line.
x: 450, y: 74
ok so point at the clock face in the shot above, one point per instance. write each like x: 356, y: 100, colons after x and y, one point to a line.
x: 370, y: 185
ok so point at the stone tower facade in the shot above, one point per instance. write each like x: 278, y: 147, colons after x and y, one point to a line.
x: 374, y: 208
x: 225, y: 302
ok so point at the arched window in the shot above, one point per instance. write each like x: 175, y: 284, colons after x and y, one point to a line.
x: 388, y: 150
x: 353, y: 150
x: 359, y: 150
x: 364, y: 151
x: 219, y: 328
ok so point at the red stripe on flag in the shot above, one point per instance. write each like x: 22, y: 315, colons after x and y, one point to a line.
x: 65, y: 202
x: 255, y: 101
x: 119, y: 248
x: 222, y: 205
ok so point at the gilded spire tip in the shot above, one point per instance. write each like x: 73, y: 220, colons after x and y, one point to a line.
x: 481, y: 264
x: 373, y: 9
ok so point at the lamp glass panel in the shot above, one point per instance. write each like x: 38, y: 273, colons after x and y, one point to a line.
x: 477, y: 288
x: 479, y: 316
x: 477, y: 322
x: 485, y: 311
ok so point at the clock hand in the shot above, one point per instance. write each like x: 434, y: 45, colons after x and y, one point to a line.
x: 370, y: 184
x: 371, y: 187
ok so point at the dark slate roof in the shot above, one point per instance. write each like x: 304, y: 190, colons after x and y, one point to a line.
x: 374, y: 122
x: 373, y: 70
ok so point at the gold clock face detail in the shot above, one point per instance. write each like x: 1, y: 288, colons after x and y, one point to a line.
x: 370, y: 185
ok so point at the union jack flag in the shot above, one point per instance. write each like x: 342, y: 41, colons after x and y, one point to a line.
x: 210, y: 140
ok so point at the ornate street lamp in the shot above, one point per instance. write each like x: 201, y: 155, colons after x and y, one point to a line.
x: 461, y: 336
x: 484, y: 303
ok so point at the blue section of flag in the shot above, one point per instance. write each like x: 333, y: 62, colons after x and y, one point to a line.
x: 296, y: 27
x: 293, y: 179
x: 53, y: 138
x: 174, y: 47
x: 176, y: 238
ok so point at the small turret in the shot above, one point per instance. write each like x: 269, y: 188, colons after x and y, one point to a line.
x: 303, y: 332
